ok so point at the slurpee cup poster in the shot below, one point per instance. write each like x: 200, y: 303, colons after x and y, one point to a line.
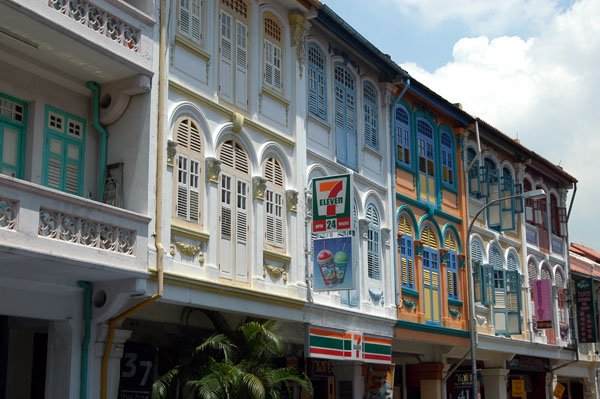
x: 332, y: 262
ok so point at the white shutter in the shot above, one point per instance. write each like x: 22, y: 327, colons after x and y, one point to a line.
x: 268, y: 60
x: 241, y: 231
x: 270, y: 218
x: 241, y: 65
x: 184, y: 17
x: 196, y: 23
x: 278, y: 219
x: 72, y: 170
x: 225, y: 243
x: 181, y: 208
x: 194, y: 191
x: 276, y: 68
x: 55, y: 163
x: 226, y: 59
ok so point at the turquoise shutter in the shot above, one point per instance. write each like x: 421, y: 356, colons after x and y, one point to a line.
x: 477, y: 285
x: 487, y: 279
x: 64, y: 151
x: 507, y: 206
x: 513, y: 302
x: 494, y: 211
x: 11, y: 142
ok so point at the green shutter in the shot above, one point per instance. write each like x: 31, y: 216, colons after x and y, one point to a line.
x: 13, y: 117
x: 477, y: 286
x: 64, y: 149
x: 513, y: 302
x: 487, y: 279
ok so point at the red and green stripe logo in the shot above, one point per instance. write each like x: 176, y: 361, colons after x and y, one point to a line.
x: 377, y: 350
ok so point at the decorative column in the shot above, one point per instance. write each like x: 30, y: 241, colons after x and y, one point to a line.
x: 494, y: 381
x: 114, y: 359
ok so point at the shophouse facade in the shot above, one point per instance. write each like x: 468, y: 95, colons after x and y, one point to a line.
x: 514, y: 245
x: 432, y: 331
x: 75, y: 96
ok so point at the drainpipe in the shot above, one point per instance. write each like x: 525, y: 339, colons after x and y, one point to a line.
x: 158, y: 216
x: 393, y: 163
x: 87, y: 287
x: 95, y: 87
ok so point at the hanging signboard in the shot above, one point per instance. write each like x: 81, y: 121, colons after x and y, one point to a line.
x: 323, y: 343
x: 543, y: 304
x: 332, y: 203
x: 137, y: 371
x: 332, y: 264
x: 463, y: 385
x: 586, y: 320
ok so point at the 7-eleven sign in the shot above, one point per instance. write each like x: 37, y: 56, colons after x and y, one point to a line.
x: 332, y: 200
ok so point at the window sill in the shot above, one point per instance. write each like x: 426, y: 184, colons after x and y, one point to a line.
x: 405, y: 167
x: 275, y: 96
x: 323, y: 123
x: 410, y: 292
x: 455, y: 302
x: 449, y: 188
x: 191, y: 46
x: 276, y: 256
x: 372, y: 150
x: 183, y: 228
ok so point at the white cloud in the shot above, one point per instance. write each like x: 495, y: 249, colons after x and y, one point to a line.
x: 483, y: 16
x: 544, y: 88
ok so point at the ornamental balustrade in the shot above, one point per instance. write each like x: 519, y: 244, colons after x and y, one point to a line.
x: 99, y: 21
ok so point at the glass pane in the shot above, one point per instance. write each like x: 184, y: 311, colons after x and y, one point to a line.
x: 73, y: 152
x: 56, y: 146
x: 10, y: 146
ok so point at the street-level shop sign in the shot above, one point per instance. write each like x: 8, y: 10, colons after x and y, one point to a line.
x: 137, y: 371
x: 586, y: 319
x: 332, y: 203
x: 559, y: 390
x: 543, y: 303
x: 324, y: 343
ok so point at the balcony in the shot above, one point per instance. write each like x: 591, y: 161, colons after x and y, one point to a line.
x: 59, y: 237
x: 101, y: 41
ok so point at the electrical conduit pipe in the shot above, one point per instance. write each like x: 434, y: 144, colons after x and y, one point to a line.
x: 158, y: 222
x: 87, y: 292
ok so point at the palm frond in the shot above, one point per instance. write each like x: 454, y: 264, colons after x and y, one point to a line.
x: 220, y: 342
x: 161, y: 386
x: 254, y: 386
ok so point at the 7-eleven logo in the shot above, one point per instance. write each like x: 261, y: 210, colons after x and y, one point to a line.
x: 331, y: 203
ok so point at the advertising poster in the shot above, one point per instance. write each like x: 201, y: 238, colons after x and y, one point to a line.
x: 137, y: 371
x: 586, y: 320
x: 332, y: 201
x: 332, y: 262
x: 379, y: 382
x: 543, y: 303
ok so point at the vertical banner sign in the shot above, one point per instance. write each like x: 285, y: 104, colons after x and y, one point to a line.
x: 332, y: 203
x: 543, y: 303
x: 518, y: 388
x: 137, y: 374
x: 586, y: 320
x: 463, y: 385
x: 332, y: 264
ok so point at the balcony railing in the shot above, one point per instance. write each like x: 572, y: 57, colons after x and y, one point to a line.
x: 39, y: 219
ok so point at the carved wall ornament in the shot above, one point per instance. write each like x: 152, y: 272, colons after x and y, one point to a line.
x: 172, y: 248
x: 188, y: 249
x: 376, y: 296
x: 259, y: 185
x: 238, y: 122
x: 213, y: 170
x: 298, y: 38
x: 455, y: 313
x: 363, y: 226
x: 291, y: 197
x: 275, y: 272
x: 308, y: 204
x: 8, y: 214
x: 386, y: 234
x: 408, y: 303
x: 171, y: 151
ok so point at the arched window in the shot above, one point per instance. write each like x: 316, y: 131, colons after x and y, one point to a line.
x: 234, y: 224
x: 345, y: 117
x: 273, y: 54
x: 190, y: 19
x: 373, y: 256
x: 473, y: 174
x: 431, y: 275
x: 407, y: 260
x: 274, y: 204
x: 370, y: 111
x: 426, y: 161
x: 512, y: 262
x: 188, y: 169
x: 495, y: 258
x: 317, y: 86
x: 452, y: 266
x: 447, y: 158
x: 402, y: 131
x: 233, y: 54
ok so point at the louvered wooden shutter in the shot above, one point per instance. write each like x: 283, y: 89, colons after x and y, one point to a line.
x: 374, y: 268
x: 477, y: 281
x: 184, y: 17
x: 55, y: 162
x: 563, y: 222
x: 487, y: 280
x: 226, y: 249
x: 190, y: 19
x: 182, y: 206
x: 341, y: 151
x: 537, y: 213
x: 316, y: 86
x: 241, y: 230
x: 370, y: 115
x: 196, y: 23
x: 351, y: 130
x: 226, y: 58
x: 513, y: 302
x: 241, y: 66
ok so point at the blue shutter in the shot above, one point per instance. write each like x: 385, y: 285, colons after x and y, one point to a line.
x: 341, y: 152
x: 317, y: 101
x: 370, y: 115
x: 448, y: 176
x: 402, y: 130
x: 513, y: 302
x: 345, y: 118
x: 487, y: 283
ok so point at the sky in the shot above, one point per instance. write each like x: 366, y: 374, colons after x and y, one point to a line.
x: 531, y: 68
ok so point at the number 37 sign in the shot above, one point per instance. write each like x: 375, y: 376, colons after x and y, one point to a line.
x: 332, y: 203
